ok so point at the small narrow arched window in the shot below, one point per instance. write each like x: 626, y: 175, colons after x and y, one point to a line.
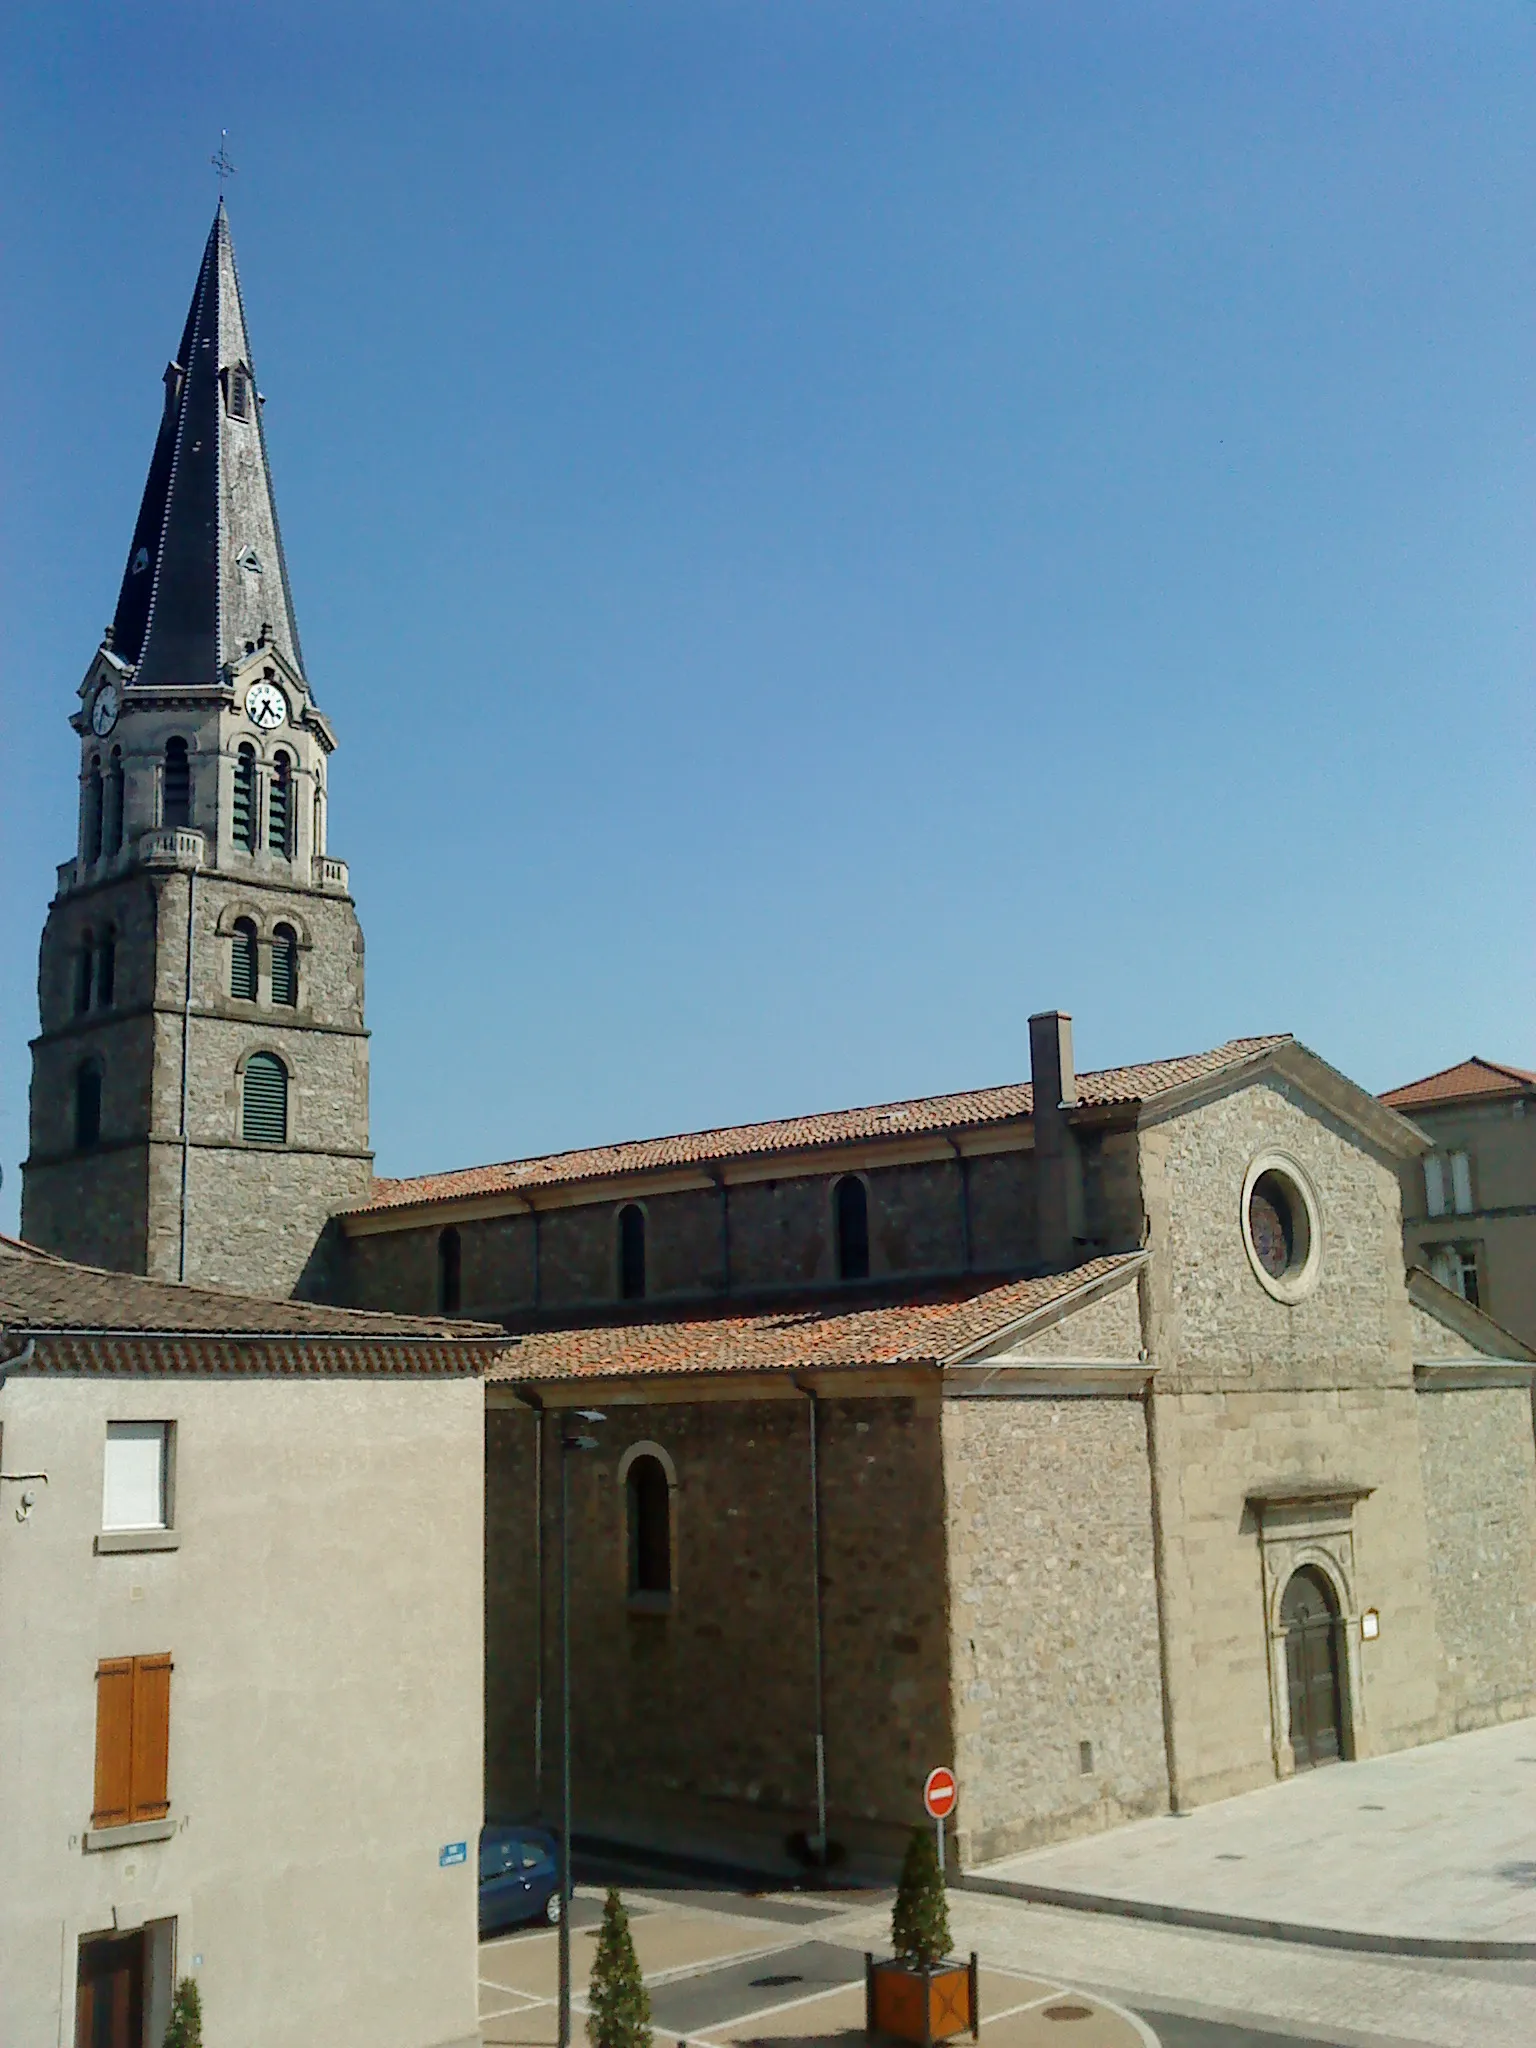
x: 243, y: 823
x: 852, y: 1228
x: 285, y: 966
x: 280, y: 807
x: 242, y: 961
x: 112, y: 824
x: 87, y: 1105
x: 648, y: 1501
x: 449, y: 1256
x: 264, y: 1100
x: 106, y: 971
x: 85, y: 967
x: 632, y: 1252
x: 176, y: 785
x: 92, y: 835
x: 317, y: 845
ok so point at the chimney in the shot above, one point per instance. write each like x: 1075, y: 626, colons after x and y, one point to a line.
x: 1058, y: 1166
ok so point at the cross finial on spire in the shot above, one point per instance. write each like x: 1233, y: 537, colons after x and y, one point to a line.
x: 223, y: 167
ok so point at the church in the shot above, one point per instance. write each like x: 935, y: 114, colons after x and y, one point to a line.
x: 1085, y: 1432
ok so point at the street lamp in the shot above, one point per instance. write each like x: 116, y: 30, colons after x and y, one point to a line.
x: 568, y: 1444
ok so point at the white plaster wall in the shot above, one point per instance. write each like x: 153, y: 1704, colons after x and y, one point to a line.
x: 324, y: 1613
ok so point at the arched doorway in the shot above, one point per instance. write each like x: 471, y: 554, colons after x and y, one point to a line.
x: 1314, y: 1668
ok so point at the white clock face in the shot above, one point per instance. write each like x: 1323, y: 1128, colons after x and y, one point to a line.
x: 266, y: 706
x: 104, y: 710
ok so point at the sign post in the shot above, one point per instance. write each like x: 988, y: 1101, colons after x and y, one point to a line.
x: 939, y: 1794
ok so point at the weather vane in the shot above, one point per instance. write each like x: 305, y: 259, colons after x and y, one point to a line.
x: 221, y: 159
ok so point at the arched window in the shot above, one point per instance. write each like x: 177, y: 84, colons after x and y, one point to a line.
x: 448, y: 1270
x: 264, y: 1100
x: 280, y: 807
x: 92, y: 836
x: 87, y: 1105
x: 244, y: 821
x: 106, y: 971
x: 317, y: 845
x: 176, y: 785
x: 852, y: 1229
x: 112, y: 825
x: 242, y: 961
x: 285, y: 966
x: 632, y: 1252
x: 648, y: 1500
x: 85, y: 960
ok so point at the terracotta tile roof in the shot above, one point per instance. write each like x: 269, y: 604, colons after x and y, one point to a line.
x: 923, y: 1325
x: 1111, y: 1087
x: 97, y: 1320
x: 1461, y: 1083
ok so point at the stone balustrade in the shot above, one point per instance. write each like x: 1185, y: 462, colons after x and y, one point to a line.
x: 171, y: 846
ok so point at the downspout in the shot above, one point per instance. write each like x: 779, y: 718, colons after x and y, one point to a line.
x: 186, y: 1037
x: 818, y: 1631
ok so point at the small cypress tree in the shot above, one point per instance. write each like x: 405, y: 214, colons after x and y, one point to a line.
x: 621, y: 2007
x: 920, y: 1918
x: 186, y: 2027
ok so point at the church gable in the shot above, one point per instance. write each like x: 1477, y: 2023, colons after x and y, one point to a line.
x: 1444, y: 1326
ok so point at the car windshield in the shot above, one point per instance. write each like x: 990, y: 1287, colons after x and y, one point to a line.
x: 502, y: 1852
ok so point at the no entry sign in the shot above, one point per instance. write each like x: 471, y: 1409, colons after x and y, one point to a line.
x: 940, y: 1793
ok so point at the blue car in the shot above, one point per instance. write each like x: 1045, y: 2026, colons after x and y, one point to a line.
x: 519, y: 1875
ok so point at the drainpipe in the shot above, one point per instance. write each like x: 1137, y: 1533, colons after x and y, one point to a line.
x: 818, y: 1631
x: 186, y: 1036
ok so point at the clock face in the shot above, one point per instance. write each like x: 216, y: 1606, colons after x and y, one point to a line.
x: 266, y: 706
x: 104, y: 710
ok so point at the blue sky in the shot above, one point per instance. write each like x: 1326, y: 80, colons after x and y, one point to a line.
x: 825, y: 528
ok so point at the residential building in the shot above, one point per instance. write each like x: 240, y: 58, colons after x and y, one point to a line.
x: 1469, y: 1205
x: 240, y: 1664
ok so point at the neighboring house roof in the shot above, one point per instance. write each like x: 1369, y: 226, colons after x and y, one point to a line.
x: 94, y: 1319
x: 1112, y: 1087
x: 935, y: 1324
x: 1487, y: 1338
x: 1464, y: 1082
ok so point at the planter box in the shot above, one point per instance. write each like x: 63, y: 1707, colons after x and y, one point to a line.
x: 923, y: 2006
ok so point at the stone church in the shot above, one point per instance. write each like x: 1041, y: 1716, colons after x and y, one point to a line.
x: 1086, y: 1432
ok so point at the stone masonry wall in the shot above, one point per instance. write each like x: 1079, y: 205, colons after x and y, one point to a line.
x: 1055, y: 1630
x: 695, y: 1727
x: 1251, y: 1392
x: 1479, y: 1466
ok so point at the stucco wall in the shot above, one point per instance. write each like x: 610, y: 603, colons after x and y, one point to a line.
x: 324, y: 1614
x: 696, y: 1727
x: 1055, y: 1632
x: 1480, y: 1495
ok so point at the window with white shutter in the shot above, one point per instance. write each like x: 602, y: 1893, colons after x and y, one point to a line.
x: 135, y: 1492
x: 1461, y: 1182
x: 1434, y: 1184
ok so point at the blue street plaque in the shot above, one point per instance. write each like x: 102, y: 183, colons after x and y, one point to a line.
x: 452, y: 1852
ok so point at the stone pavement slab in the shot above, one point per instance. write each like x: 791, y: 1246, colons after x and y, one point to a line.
x: 1437, y: 1844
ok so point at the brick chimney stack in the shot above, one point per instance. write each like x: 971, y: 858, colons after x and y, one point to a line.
x: 1058, y: 1165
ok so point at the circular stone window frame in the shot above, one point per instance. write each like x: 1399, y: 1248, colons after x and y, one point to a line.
x: 1298, y: 1282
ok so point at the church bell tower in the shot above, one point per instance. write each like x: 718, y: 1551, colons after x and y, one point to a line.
x: 200, y: 1080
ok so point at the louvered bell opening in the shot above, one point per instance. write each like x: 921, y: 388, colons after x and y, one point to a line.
x: 264, y: 1118
x: 280, y: 808
x: 176, y: 788
x: 285, y: 967
x: 242, y: 964
x: 239, y: 396
x: 245, y: 799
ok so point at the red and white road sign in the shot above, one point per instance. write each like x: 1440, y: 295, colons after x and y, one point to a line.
x: 940, y: 1793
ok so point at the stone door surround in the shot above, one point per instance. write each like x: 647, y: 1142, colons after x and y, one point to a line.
x: 1310, y: 1522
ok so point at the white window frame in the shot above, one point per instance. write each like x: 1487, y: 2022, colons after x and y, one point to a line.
x: 120, y: 1529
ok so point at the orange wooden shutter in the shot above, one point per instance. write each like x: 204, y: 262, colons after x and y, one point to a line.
x: 151, y: 1736
x: 114, y: 1743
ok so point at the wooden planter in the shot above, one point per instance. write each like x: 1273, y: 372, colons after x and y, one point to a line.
x: 923, y: 2006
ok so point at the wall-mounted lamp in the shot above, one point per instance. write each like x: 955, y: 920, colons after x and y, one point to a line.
x: 1370, y: 1625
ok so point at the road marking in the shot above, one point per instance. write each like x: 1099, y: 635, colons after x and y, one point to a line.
x: 512, y: 1991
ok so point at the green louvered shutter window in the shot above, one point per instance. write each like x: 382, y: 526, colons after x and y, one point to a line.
x: 244, y: 823
x: 285, y: 966
x: 264, y: 1111
x: 242, y: 962
x: 280, y: 808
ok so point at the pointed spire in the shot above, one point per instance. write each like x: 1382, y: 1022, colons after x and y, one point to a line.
x: 205, y: 572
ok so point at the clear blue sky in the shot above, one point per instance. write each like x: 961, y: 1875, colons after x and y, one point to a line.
x: 824, y: 528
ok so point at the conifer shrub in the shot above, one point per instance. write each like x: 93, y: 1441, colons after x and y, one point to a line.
x: 186, y: 2027
x: 621, y: 2007
x: 920, y: 1917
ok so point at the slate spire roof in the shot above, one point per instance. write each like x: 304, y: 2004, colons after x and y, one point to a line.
x: 205, y: 571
